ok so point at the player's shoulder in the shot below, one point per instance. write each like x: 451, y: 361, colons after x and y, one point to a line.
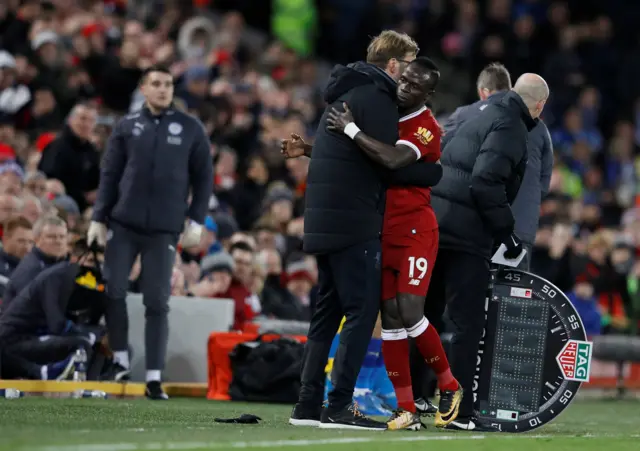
x: 424, y: 119
x: 185, y: 120
x: 130, y: 118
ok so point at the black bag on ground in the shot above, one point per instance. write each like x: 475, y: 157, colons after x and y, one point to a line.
x: 266, y: 371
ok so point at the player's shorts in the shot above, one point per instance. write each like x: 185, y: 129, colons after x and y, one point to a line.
x: 407, y: 267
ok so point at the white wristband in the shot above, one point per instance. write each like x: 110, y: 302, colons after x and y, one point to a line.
x: 351, y: 130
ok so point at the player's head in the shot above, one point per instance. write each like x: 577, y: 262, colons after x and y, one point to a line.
x: 493, y: 78
x: 156, y: 85
x: 392, y: 52
x: 417, y: 83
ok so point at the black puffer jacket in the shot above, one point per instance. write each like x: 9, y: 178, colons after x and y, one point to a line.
x: 483, y: 166
x: 345, y: 192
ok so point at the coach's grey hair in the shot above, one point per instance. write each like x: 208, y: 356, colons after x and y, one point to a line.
x: 494, y: 77
x: 49, y: 220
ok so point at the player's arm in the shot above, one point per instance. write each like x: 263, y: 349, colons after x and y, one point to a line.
x: 391, y: 157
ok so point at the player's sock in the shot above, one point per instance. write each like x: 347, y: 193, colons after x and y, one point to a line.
x: 430, y: 346
x: 395, y: 350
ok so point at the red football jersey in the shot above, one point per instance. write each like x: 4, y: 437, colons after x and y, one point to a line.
x: 408, y: 210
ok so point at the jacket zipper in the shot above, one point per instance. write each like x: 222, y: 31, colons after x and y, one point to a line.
x: 156, y: 122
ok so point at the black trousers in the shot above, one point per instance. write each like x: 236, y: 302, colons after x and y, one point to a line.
x: 349, y: 285
x: 458, y: 288
x: 22, y: 357
x: 158, y: 254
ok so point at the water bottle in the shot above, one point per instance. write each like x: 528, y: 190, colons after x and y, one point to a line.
x: 96, y: 394
x: 10, y: 393
x: 80, y: 374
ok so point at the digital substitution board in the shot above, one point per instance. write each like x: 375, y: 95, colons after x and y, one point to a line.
x: 534, y: 355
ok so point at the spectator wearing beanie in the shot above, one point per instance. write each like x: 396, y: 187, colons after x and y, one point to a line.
x: 217, y: 281
x: 11, y: 178
x: 279, y: 207
x: 227, y: 227
x: 69, y: 210
x: 298, y: 282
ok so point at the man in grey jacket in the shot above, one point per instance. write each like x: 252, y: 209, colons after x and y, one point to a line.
x: 154, y: 159
x: 493, y: 83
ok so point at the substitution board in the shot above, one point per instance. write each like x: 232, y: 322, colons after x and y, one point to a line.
x: 534, y: 355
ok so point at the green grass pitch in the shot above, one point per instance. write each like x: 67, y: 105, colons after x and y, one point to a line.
x: 40, y: 424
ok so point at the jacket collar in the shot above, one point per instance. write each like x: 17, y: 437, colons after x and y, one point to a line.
x: 514, y: 102
x: 12, y: 260
x: 47, y: 260
x: 147, y: 112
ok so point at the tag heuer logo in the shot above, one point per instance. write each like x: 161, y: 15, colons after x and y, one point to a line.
x: 575, y: 360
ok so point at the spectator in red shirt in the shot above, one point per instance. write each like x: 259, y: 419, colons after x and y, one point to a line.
x: 218, y: 281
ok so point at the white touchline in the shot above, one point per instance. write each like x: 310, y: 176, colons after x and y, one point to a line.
x: 297, y: 443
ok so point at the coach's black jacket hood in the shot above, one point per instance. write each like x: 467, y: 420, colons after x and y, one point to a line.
x: 345, y: 78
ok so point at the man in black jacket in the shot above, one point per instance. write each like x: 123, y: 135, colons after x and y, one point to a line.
x: 73, y: 159
x: 344, y: 206
x: 483, y: 165
x: 50, y: 233
x: 493, y: 84
x: 37, y: 338
x: 154, y: 159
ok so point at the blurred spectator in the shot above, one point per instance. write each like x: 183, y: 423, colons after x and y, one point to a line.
x: 36, y: 184
x: 51, y: 247
x: 31, y: 208
x: 9, y: 207
x: 16, y: 243
x: 583, y: 299
x: 11, y: 177
x: 72, y: 159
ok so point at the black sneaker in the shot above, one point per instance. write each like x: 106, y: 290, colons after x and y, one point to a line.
x: 116, y: 373
x: 471, y: 424
x: 448, y: 407
x: 425, y: 407
x: 154, y: 391
x: 302, y: 415
x: 349, y: 418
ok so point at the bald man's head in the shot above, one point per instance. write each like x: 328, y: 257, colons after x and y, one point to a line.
x: 534, y: 92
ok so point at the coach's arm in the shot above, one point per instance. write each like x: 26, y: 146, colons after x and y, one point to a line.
x: 399, y: 158
x: 492, y: 170
x: 112, y: 170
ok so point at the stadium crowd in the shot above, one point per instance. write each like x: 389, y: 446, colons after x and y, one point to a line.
x: 70, y: 69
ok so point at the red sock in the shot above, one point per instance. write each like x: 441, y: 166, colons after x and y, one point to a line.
x: 395, y: 351
x: 430, y: 346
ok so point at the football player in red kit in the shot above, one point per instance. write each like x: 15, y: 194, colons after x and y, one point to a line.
x: 409, y: 246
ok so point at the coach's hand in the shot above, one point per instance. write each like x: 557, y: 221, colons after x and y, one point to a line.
x: 192, y: 234
x: 292, y: 147
x: 337, y: 121
x: 514, y: 246
x: 97, y: 233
